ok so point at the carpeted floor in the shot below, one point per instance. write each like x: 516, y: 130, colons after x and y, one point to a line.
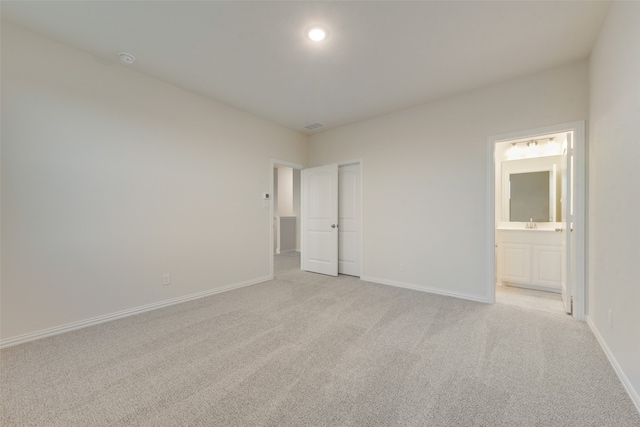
x: 310, y: 350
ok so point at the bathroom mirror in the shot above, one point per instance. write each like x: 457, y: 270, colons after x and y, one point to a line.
x: 531, y: 190
x: 529, y: 197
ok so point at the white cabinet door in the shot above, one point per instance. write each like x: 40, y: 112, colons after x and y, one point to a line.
x: 516, y: 263
x: 547, y: 266
x: 320, y: 220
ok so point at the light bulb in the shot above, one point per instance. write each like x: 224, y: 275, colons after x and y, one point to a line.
x: 317, y: 33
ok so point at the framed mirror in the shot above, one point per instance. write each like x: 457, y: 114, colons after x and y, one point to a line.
x: 531, y: 190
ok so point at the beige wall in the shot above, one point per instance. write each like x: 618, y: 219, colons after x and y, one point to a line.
x: 614, y: 196
x: 111, y: 178
x: 425, y: 176
x: 285, y: 191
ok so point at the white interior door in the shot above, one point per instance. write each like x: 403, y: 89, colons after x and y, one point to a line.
x: 349, y: 219
x: 567, y: 222
x: 320, y: 220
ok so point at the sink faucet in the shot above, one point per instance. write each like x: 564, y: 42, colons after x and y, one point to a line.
x: 531, y: 224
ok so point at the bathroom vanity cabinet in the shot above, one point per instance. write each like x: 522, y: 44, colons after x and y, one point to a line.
x: 530, y: 258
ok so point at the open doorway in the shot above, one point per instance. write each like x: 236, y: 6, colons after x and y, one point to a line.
x: 537, y: 219
x: 286, y: 206
x: 285, y: 215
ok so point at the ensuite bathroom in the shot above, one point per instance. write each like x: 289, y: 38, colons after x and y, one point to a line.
x: 533, y: 231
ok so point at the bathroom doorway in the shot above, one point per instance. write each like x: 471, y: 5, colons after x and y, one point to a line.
x: 537, y: 220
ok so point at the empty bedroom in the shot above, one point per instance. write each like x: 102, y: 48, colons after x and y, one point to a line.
x: 306, y: 213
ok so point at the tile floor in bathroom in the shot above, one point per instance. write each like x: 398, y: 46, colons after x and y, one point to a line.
x: 529, y: 298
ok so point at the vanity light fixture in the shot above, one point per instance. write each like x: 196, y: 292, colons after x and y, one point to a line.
x: 534, y: 142
x: 533, y: 148
x: 317, y: 33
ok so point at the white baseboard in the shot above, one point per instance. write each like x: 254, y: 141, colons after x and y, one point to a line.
x: 633, y: 394
x: 32, y: 336
x: 423, y: 288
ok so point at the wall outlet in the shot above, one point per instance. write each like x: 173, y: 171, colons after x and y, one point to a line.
x: 166, y: 279
x: 402, y: 267
x: 610, y: 316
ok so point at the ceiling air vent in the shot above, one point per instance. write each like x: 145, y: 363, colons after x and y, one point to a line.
x: 313, y: 126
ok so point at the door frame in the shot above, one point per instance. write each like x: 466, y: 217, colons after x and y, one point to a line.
x: 274, y: 163
x: 579, y: 208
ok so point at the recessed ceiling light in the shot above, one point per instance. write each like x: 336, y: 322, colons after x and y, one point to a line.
x: 127, y: 58
x: 317, y: 33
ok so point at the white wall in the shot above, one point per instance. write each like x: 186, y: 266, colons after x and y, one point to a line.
x: 297, y: 181
x: 285, y: 191
x: 111, y: 178
x: 614, y: 180
x: 274, y: 196
x: 425, y: 176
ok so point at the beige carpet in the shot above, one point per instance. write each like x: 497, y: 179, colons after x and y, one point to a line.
x: 310, y: 350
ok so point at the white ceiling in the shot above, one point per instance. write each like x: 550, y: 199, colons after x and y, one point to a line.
x: 381, y: 56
